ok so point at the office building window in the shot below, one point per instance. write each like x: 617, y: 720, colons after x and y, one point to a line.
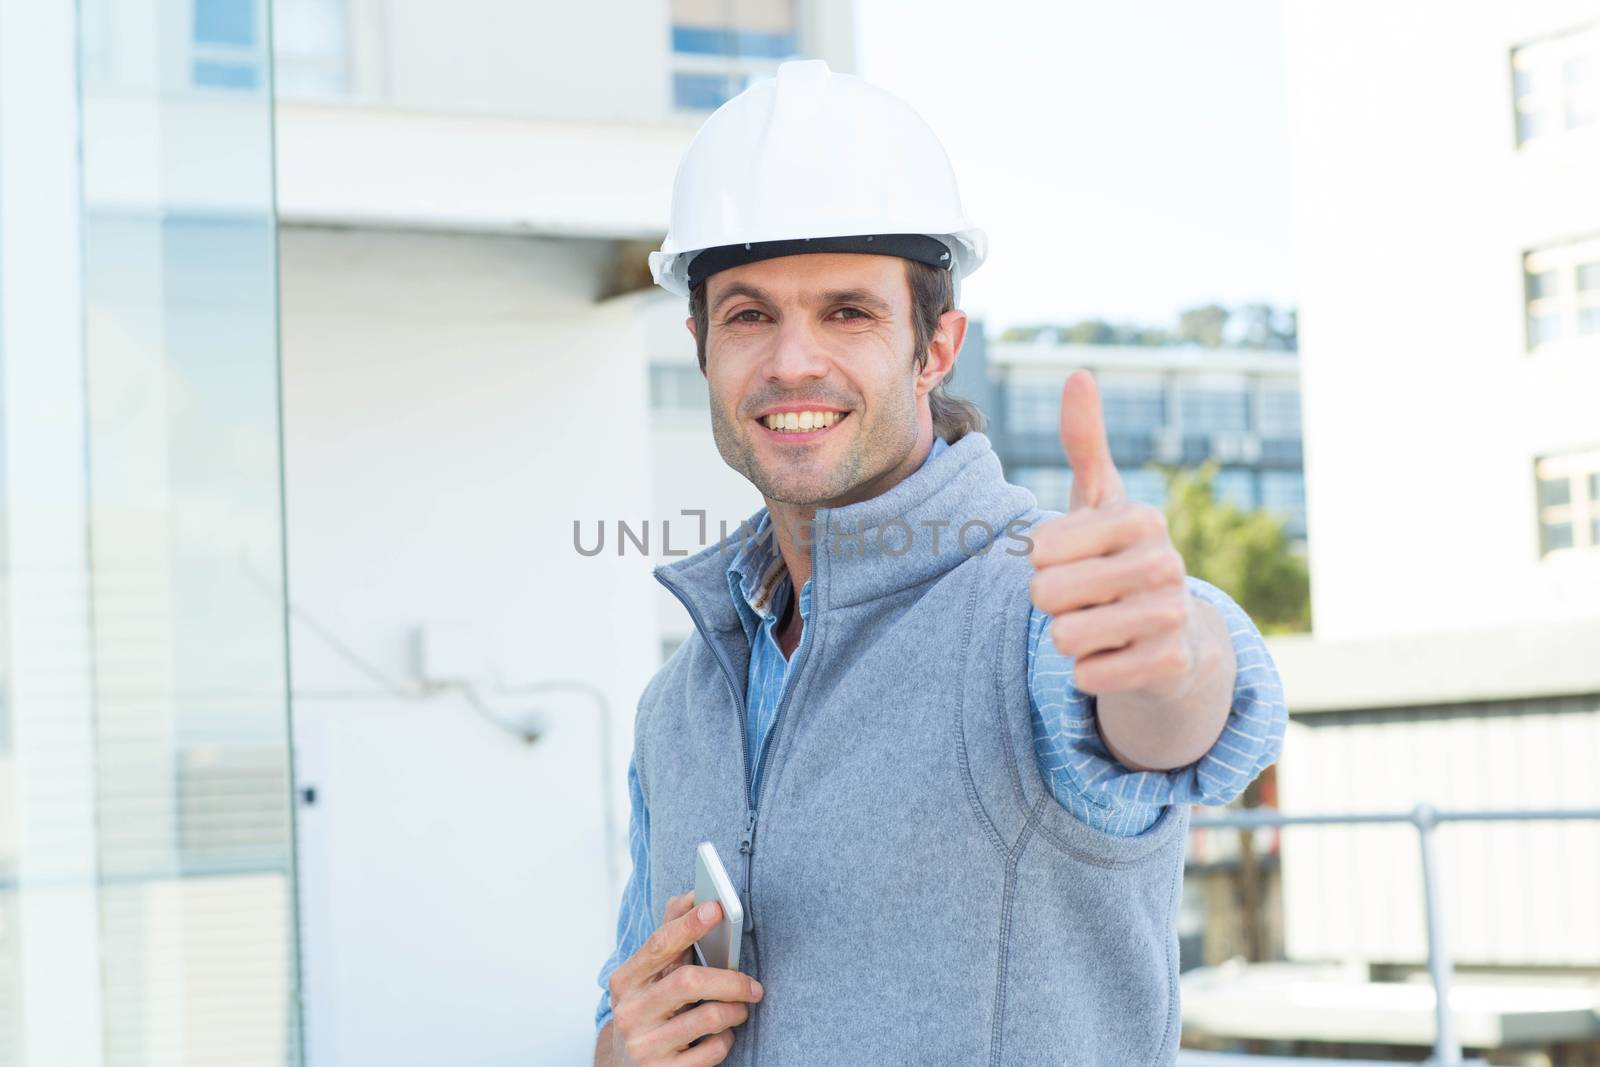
x: 1567, y: 498
x: 1132, y: 410
x: 228, y: 52
x: 678, y: 387
x: 1555, y: 84
x: 1561, y: 286
x: 1280, y: 413
x: 311, y: 47
x: 1236, y: 486
x: 1033, y: 407
x: 1145, y: 486
x: 1051, y: 486
x: 719, y: 46
x: 1283, y: 491
x: 1214, y: 410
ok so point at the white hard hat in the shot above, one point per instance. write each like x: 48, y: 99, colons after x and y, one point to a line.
x: 813, y: 161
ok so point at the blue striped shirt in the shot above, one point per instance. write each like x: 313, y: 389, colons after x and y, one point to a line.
x: 1080, y: 773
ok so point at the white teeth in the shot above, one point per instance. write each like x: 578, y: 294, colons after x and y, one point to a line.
x: 801, y: 421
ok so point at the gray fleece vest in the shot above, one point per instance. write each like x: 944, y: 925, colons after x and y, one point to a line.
x: 913, y: 893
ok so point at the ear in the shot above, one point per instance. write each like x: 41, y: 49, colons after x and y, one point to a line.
x: 689, y: 325
x: 943, y: 347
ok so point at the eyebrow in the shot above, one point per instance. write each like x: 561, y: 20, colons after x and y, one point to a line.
x: 863, y: 297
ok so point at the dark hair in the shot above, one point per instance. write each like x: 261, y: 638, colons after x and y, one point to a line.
x: 932, y: 294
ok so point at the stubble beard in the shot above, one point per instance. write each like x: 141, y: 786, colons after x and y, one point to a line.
x: 878, y: 445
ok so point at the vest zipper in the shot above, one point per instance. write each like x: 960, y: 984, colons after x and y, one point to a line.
x: 747, y: 844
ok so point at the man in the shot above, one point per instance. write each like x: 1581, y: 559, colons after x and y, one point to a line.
x: 944, y: 741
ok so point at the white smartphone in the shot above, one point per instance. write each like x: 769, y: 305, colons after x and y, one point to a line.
x: 720, y: 945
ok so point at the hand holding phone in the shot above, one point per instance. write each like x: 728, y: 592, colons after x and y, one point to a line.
x: 718, y: 947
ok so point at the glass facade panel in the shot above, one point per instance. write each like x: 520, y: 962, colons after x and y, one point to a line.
x: 1236, y: 486
x: 1051, y: 486
x: 147, y: 859
x: 1033, y: 407
x: 1132, y: 410
x: 1283, y: 490
x: 1280, y: 413
x: 1215, y: 409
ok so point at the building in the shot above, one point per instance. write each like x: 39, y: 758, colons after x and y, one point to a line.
x: 1173, y: 406
x: 1449, y: 297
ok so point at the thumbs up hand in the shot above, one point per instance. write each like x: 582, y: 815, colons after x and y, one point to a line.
x: 1107, y: 571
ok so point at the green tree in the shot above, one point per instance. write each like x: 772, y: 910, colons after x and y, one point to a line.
x: 1203, y: 325
x: 1244, y: 553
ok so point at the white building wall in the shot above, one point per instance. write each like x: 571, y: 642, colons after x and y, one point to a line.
x: 1423, y: 411
x: 1513, y: 894
x: 451, y: 405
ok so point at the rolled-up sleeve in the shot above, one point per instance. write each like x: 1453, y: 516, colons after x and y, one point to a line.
x: 1089, y: 782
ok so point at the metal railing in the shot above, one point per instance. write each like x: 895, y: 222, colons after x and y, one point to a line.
x: 1426, y: 818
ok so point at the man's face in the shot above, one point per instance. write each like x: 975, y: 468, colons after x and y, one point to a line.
x: 824, y: 335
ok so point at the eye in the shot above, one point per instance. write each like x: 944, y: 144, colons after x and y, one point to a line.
x: 858, y: 312
x: 739, y: 316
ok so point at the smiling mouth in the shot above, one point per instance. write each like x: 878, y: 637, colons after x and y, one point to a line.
x: 807, y: 424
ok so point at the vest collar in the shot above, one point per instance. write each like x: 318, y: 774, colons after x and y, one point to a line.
x: 938, y: 517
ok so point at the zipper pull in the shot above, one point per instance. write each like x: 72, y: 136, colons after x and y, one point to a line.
x: 747, y: 843
x: 747, y: 848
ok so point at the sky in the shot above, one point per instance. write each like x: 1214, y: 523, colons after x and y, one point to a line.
x: 1127, y: 159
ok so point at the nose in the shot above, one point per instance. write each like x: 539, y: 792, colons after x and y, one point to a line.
x: 798, y: 354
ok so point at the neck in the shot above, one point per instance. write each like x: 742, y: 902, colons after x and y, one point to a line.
x: 793, y: 523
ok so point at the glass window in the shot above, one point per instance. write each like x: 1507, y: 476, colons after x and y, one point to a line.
x: 1555, y: 492
x: 1236, y: 486
x: 1543, y: 329
x: 1213, y: 410
x: 228, y: 45
x: 1146, y: 486
x: 146, y: 826
x: 720, y: 45
x: 1594, y: 488
x: 225, y: 21
x: 1280, y: 413
x: 1033, y: 407
x: 678, y: 388
x: 1133, y: 410
x: 1283, y: 490
x: 1541, y: 286
x: 1554, y: 536
x: 1553, y: 84
x: 1562, y: 283
x: 705, y: 92
x: 1051, y: 486
x: 310, y: 41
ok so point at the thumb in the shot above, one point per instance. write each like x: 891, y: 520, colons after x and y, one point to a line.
x: 1095, y: 480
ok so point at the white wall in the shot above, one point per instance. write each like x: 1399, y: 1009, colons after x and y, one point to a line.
x: 451, y: 405
x: 687, y: 471
x: 1423, y: 413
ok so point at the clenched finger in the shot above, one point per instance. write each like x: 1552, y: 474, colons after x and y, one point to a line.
x: 1140, y: 665
x: 1094, y: 532
x: 1089, y: 630
x: 712, y: 1017
x: 692, y: 983
x: 713, y: 1049
x: 1064, y: 587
